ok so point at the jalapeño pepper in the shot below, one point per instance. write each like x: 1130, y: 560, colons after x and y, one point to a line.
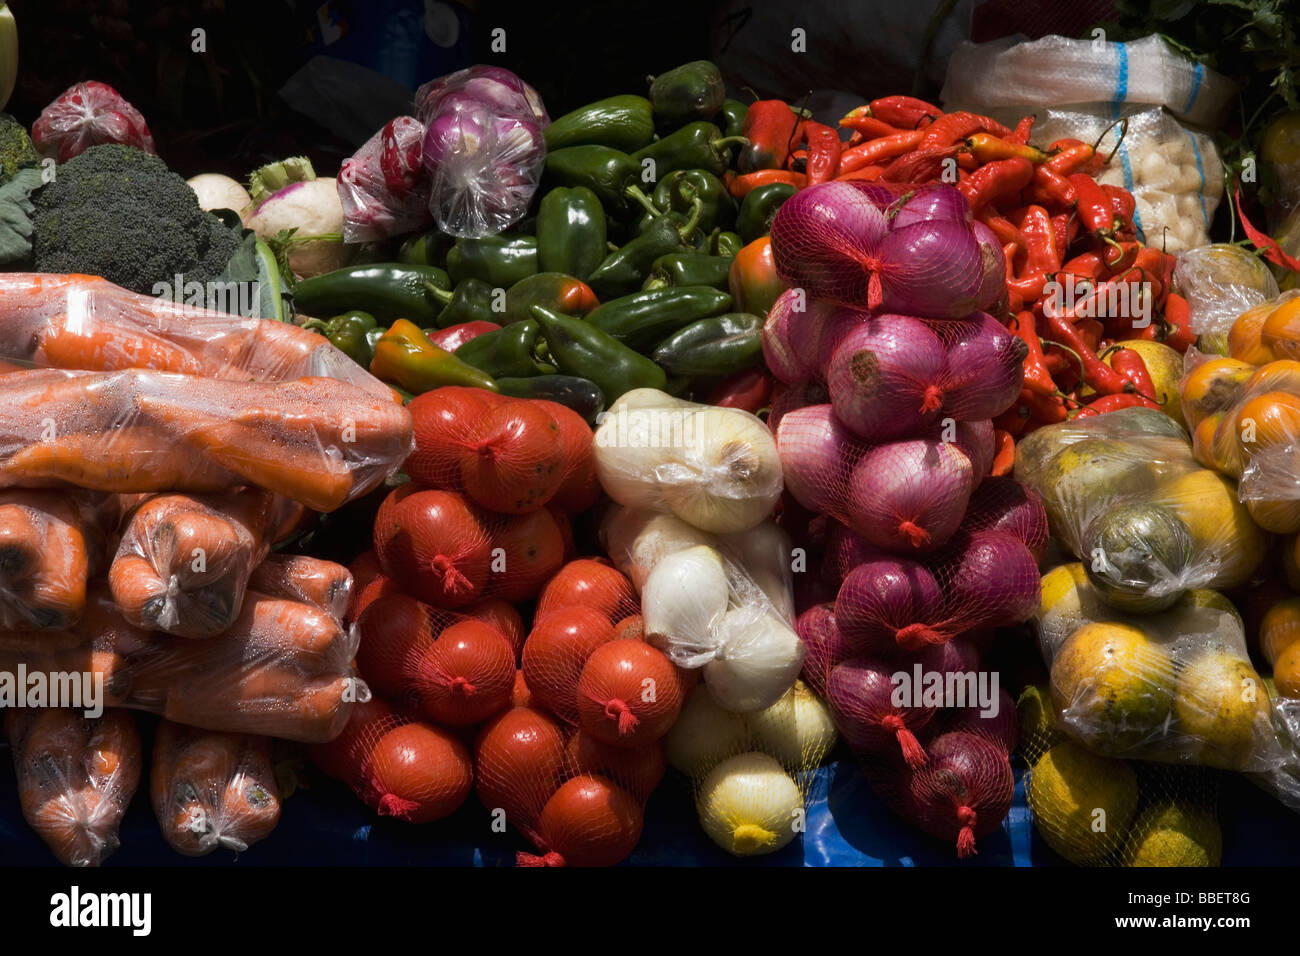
x: 555, y: 290
x: 579, y: 348
x: 679, y: 269
x: 727, y: 244
x: 571, y: 232
x: 624, y: 271
x: 471, y: 301
x: 695, y: 146
x: 497, y: 260
x: 347, y: 333
x: 620, y: 122
x: 507, y: 353
x: 644, y: 318
x: 717, y: 210
x: 427, y: 249
x: 612, y: 175
x: 692, y: 91
x: 580, y: 394
x: 732, y: 117
x: 716, y: 346
x: 406, y: 357
x: 759, y: 207
x: 388, y: 291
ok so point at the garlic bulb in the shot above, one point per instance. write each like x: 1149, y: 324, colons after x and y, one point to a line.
x: 748, y: 805
x: 797, y: 730
x: 684, y: 599
x: 704, y: 734
x: 757, y: 661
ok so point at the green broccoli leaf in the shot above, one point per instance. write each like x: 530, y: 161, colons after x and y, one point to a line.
x: 16, y: 215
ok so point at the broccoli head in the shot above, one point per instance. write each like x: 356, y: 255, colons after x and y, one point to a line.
x: 120, y: 213
x: 16, y: 149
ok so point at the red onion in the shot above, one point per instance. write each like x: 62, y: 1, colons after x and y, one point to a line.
x: 493, y: 85
x: 963, y: 792
x: 817, y: 455
x: 956, y: 656
x: 994, y: 284
x: 786, y: 398
x: 1004, y: 504
x: 811, y: 590
x: 930, y: 202
x: 824, y: 645
x: 787, y: 364
x: 823, y: 239
x: 932, y: 269
x: 978, y: 441
x: 1001, y: 727
x: 860, y: 694
x: 886, y: 377
x: 845, y: 550
x: 991, y: 580
x: 888, y: 604
x: 985, y: 367
x: 909, y: 496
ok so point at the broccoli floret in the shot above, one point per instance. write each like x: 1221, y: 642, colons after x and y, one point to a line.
x: 120, y: 213
x: 16, y: 149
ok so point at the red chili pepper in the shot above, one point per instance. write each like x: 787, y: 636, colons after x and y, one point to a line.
x: 867, y: 173
x: 920, y: 165
x: 1013, y: 420
x: 1037, y: 378
x: 862, y: 122
x: 1021, y: 133
x: 1089, y: 264
x: 1044, y: 256
x: 749, y: 389
x: 1002, y: 227
x: 955, y: 127
x: 1051, y: 189
x: 1045, y: 410
x: 1268, y: 247
x: 1096, y: 373
x: 741, y: 185
x: 874, y: 151
x: 1129, y: 364
x: 1122, y: 203
x: 996, y: 182
x: 769, y: 125
x: 1073, y: 156
x: 1178, y: 315
x: 1113, y: 403
x: 985, y: 147
x: 1122, y: 257
x: 905, y: 112
x: 1093, y: 206
x: 1004, y: 452
x: 823, y: 150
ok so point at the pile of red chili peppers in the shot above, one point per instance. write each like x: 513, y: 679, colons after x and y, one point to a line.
x: 1077, y: 278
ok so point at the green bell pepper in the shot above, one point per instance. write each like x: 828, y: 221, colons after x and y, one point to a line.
x: 678, y: 269
x: 644, y: 318
x: 554, y: 290
x: 388, y: 291
x: 614, y: 176
x: 620, y: 122
x: 716, y: 346
x: 579, y: 348
x: 718, y: 209
x: 758, y: 209
x: 497, y: 260
x: 696, y: 146
x: 732, y: 117
x: 349, y: 334
x: 571, y: 232
x: 427, y: 249
x: 623, y: 271
x: 727, y: 244
x: 471, y: 301
x: 692, y: 91
x: 509, y: 352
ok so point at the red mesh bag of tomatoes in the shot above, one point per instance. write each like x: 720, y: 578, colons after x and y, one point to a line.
x: 505, y: 454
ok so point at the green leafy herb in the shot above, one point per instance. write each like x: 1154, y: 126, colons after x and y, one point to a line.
x: 16, y: 216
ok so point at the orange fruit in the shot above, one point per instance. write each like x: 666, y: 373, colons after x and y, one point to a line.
x: 1212, y: 386
x: 1280, y: 517
x: 1286, y: 672
x: 1268, y: 421
x: 1244, y: 341
x: 1280, y: 628
x: 1280, y: 330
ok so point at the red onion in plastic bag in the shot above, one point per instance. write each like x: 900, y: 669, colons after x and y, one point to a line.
x: 786, y: 398
x: 1000, y: 727
x: 824, y: 644
x: 991, y: 580
x: 384, y: 187
x: 493, y: 85
x: 85, y: 115
x: 930, y: 202
x: 845, y: 550
x: 817, y: 454
x: 994, y: 284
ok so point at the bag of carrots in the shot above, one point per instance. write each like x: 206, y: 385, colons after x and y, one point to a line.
x: 87, y: 323
x: 212, y: 789
x: 76, y: 777
x: 284, y: 669
x: 298, y: 577
x: 317, y: 441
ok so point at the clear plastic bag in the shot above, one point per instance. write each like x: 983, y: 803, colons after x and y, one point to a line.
x: 299, y: 577
x: 81, y: 322
x: 1175, y: 686
x: 1125, y: 495
x: 483, y: 149
x: 284, y: 669
x: 1054, y: 70
x: 383, y: 186
x: 715, y: 468
x: 51, y: 544
x: 212, y: 790
x: 317, y: 441
x: 1220, y: 282
x: 85, y: 115
x: 76, y: 777
x: 184, y: 561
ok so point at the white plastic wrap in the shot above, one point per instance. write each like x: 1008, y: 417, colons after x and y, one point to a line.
x: 1220, y: 282
x: 1054, y: 70
x: 383, y: 186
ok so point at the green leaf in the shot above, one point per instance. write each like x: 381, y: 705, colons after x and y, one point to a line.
x: 16, y: 215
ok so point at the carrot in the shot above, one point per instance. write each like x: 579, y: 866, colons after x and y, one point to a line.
x: 76, y: 777
x: 100, y: 346
x: 301, y: 578
x: 133, y: 459
x: 50, y: 544
x: 211, y: 789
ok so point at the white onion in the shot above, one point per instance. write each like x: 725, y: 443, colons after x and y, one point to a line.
x: 797, y: 730
x: 637, y: 539
x: 757, y: 661
x: 704, y: 734
x: 683, y: 601
x: 748, y: 805
x: 764, y: 552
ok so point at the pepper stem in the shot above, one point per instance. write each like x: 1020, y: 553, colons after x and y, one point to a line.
x: 636, y: 195
x: 724, y: 142
x: 442, y: 295
x: 687, y: 229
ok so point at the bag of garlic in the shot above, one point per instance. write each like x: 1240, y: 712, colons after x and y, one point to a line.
x: 715, y: 468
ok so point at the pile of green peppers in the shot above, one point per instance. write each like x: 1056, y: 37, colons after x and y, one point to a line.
x: 621, y: 278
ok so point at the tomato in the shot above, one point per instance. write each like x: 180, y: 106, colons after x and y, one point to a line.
x: 518, y: 765
x: 467, y: 676
x: 579, y: 489
x: 514, y: 459
x: 591, y: 821
x: 443, y: 420
x: 503, y: 617
x: 637, y: 770
x: 631, y: 628
x: 434, y: 545
x: 566, y: 531
x: 527, y: 550
x: 418, y: 773
x: 394, y: 636
x: 556, y: 651
x: 628, y: 694
x: 593, y: 583
x: 340, y: 758
x: 369, y: 583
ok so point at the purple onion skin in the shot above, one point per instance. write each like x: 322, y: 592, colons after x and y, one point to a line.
x: 889, y: 604
x: 817, y: 454
x: 1004, y: 504
x: 909, y: 496
x: 860, y: 694
x: 824, y: 645
x: 994, y: 285
x: 845, y: 550
x: 787, y: 398
x: 1001, y: 727
x: 979, y: 443
x: 886, y: 377
x: 778, y: 351
x: 985, y: 367
x: 820, y: 236
x: 991, y: 579
x: 965, y: 773
x: 494, y: 85
x: 956, y: 656
x: 934, y: 201
x: 931, y: 269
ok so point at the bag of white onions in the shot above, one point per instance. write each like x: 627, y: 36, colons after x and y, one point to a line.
x: 715, y: 468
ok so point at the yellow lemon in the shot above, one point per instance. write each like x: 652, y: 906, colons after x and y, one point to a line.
x: 1220, y: 525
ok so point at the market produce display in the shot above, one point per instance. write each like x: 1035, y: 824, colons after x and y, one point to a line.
x: 537, y: 464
